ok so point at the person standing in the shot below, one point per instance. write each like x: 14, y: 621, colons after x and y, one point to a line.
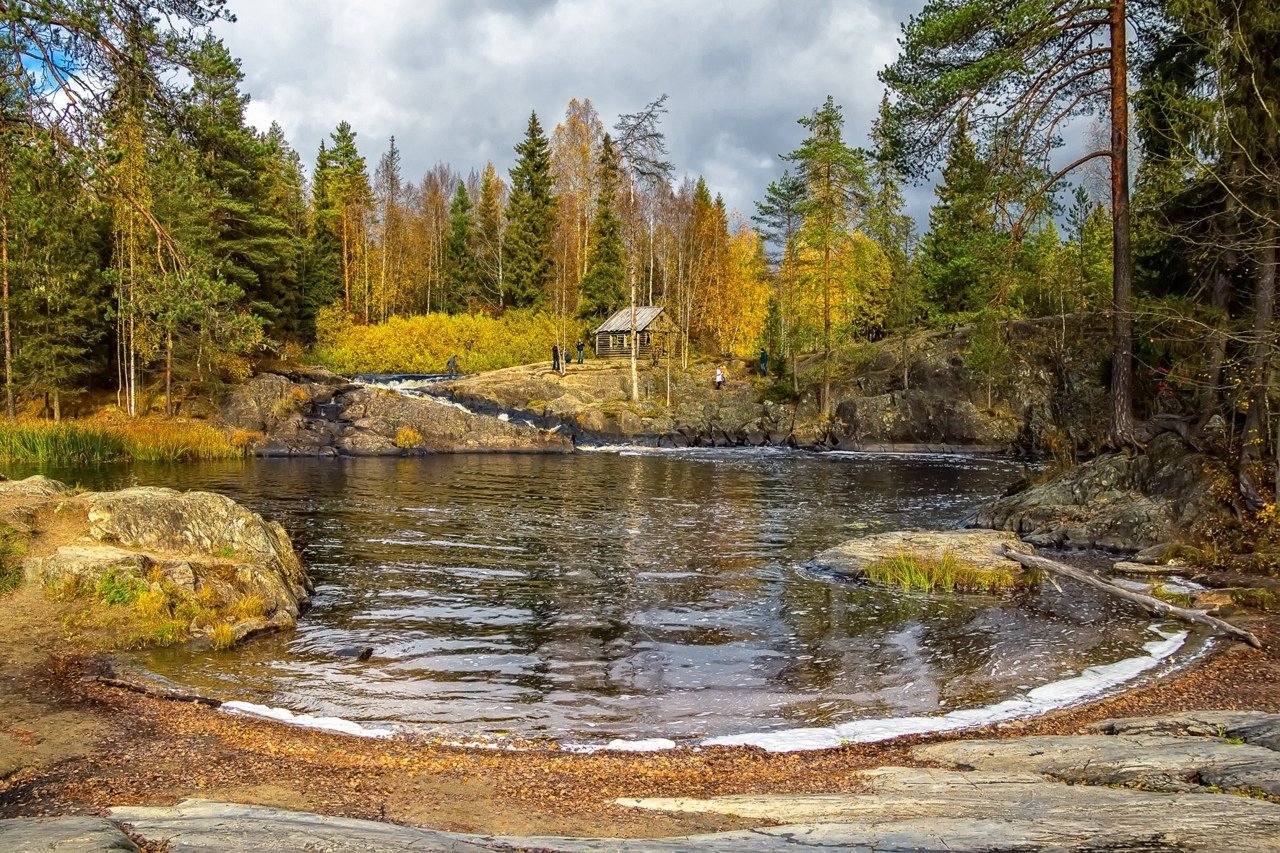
x: 719, y: 379
x: 581, y: 347
x: 764, y: 362
x: 555, y: 358
x: 453, y: 366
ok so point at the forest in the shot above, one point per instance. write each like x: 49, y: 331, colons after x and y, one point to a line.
x: 1091, y: 160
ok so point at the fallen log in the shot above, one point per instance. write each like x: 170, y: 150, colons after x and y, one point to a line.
x: 1155, y: 605
x: 155, y: 691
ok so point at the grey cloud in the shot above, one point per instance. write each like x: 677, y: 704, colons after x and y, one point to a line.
x: 455, y: 81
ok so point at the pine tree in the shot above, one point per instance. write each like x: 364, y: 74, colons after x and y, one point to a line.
x: 531, y: 217
x: 254, y: 248
x: 322, y: 265
x: 836, y: 179
x: 961, y: 253
x: 604, y: 285
x: 779, y: 220
x: 460, y: 263
x: 343, y: 199
x: 53, y: 268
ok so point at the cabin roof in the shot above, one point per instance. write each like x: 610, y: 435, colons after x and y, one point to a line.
x: 620, y: 321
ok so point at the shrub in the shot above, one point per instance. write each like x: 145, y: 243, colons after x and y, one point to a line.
x: 120, y: 589
x: 424, y: 343
x: 408, y: 437
x: 947, y: 573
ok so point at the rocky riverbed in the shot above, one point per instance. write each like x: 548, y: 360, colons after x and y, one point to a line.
x: 1191, y: 781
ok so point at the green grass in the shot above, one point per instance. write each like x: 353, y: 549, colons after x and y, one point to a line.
x: 11, y: 549
x: 1177, y: 599
x: 1260, y: 599
x: 66, y: 444
x: 120, y: 589
x: 947, y: 573
x: 70, y: 443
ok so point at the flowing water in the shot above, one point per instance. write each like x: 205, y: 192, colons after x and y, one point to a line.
x: 634, y: 594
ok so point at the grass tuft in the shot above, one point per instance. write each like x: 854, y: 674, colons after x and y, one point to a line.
x: 948, y: 573
x: 69, y: 443
x: 120, y: 589
x: 1259, y: 599
x: 223, y: 637
x: 248, y: 607
x: 12, y: 548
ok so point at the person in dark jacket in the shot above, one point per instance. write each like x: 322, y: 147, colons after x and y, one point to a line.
x: 764, y: 362
x: 453, y: 366
x: 581, y: 347
x: 555, y: 358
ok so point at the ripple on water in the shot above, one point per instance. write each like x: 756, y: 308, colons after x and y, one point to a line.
x: 655, y: 595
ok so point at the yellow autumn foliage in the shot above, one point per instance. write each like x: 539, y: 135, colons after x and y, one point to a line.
x: 424, y: 343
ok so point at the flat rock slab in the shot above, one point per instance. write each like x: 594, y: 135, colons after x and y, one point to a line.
x: 64, y: 835
x: 1152, y: 762
x: 924, y: 809
x: 981, y: 548
x: 1257, y: 728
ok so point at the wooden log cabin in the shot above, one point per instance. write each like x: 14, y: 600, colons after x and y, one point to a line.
x: 653, y: 332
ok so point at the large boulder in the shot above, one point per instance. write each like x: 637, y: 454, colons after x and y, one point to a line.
x: 981, y: 549
x: 1118, y: 501
x: 188, y: 546
x: 320, y: 414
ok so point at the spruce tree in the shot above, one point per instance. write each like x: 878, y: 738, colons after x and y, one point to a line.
x: 322, y: 263
x: 460, y: 263
x: 254, y: 248
x: 960, y: 255
x: 604, y: 285
x: 531, y: 218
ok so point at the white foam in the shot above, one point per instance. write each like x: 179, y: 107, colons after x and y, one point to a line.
x: 1092, y: 682
x: 329, y: 724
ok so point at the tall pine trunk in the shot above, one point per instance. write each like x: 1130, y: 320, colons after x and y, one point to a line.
x: 1255, y: 424
x: 9, y: 407
x: 1122, y: 430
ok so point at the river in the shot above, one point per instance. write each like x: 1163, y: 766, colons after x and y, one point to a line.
x: 628, y: 595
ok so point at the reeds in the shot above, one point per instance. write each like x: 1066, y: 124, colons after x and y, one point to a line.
x: 947, y: 573
x: 70, y: 443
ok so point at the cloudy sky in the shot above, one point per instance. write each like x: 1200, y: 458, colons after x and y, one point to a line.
x: 454, y: 81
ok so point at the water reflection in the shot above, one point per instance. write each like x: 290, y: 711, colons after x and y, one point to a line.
x: 607, y: 595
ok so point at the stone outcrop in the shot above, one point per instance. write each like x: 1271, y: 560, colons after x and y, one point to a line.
x: 187, y: 545
x: 1118, y: 501
x: 64, y: 835
x: 1158, y: 783
x: 982, y: 549
x: 325, y: 415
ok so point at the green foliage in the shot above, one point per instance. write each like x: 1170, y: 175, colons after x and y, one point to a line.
x: 962, y: 255
x: 424, y: 344
x: 1258, y: 598
x: 64, y: 443
x: 70, y: 443
x: 12, y: 547
x: 531, y: 218
x: 603, y: 287
x: 120, y: 589
x: 914, y: 573
x: 460, y: 262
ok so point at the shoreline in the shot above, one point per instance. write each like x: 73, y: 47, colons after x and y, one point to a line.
x: 129, y: 749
